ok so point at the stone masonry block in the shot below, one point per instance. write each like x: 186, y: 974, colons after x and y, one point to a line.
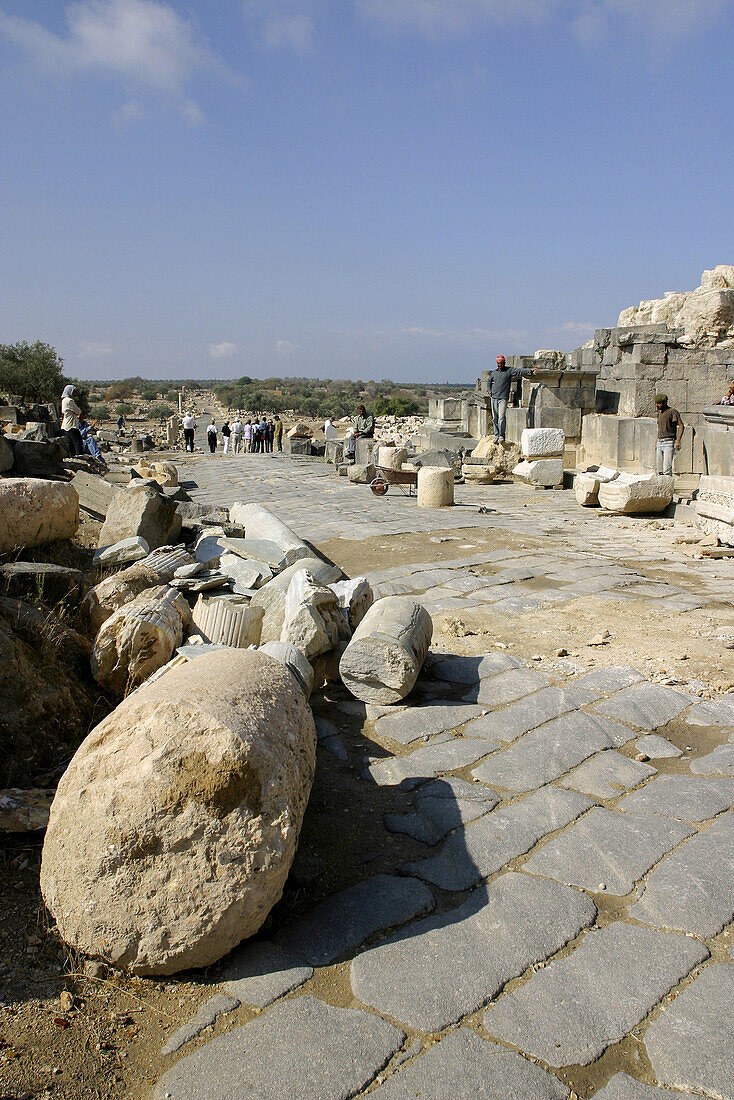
x: 542, y: 442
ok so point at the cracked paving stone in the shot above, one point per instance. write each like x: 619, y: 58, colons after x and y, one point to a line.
x: 657, y: 748
x: 465, y: 1065
x: 440, y: 969
x: 486, y: 845
x: 412, y: 723
x: 690, y: 798
x: 623, y: 1087
x: 693, y: 889
x: 218, y: 1005
x: 607, y: 775
x: 690, y: 1044
x: 447, y: 756
x: 714, y: 712
x: 550, y: 751
x: 508, y: 686
x: 718, y: 762
x: 570, y: 1012
x: 440, y: 807
x: 470, y: 670
x: 646, y: 706
x: 299, y: 1050
x: 346, y: 919
x: 607, y: 847
x: 258, y: 973
x: 530, y: 712
x: 612, y: 678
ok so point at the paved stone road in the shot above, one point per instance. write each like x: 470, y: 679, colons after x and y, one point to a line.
x: 600, y: 900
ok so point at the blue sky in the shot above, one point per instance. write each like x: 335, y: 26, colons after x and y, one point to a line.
x: 354, y: 188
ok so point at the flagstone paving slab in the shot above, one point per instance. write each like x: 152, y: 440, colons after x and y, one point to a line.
x: 441, y: 806
x: 612, y: 678
x: 412, y: 723
x: 346, y: 919
x: 530, y: 712
x: 470, y: 670
x: 439, y: 970
x: 693, y: 889
x: 486, y: 845
x: 510, y: 685
x: 447, y: 756
x: 258, y: 973
x: 623, y: 1087
x: 718, y: 762
x: 647, y: 706
x: 465, y: 1065
x: 690, y: 798
x: 299, y: 1050
x: 218, y: 1005
x: 607, y: 848
x: 714, y: 712
x: 657, y: 748
x: 570, y: 1012
x: 690, y: 1044
x: 607, y: 775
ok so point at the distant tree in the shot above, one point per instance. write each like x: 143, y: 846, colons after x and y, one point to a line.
x: 160, y: 412
x: 171, y: 395
x: 120, y: 391
x: 124, y: 409
x: 33, y: 371
x: 149, y: 392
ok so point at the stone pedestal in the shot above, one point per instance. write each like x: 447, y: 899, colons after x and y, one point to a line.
x: 435, y: 487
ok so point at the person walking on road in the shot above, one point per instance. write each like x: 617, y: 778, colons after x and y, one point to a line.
x: 226, y: 433
x: 211, y: 437
x: 278, y: 433
x: 237, y: 432
x: 189, y: 427
x: 500, y: 383
x: 670, y: 433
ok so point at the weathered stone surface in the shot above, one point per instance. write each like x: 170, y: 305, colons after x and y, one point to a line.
x: 218, y: 1005
x: 300, y: 1049
x: 312, y: 620
x: 607, y: 848
x: 440, y: 807
x: 247, y: 573
x: 259, y: 549
x: 465, y: 1065
x: 116, y: 591
x: 607, y: 775
x: 693, y: 889
x: 718, y: 762
x: 686, y: 797
x: 511, y: 685
x: 657, y: 748
x: 612, y: 678
x: 382, y: 661
x: 165, y: 472
x: 411, y: 723
x: 362, y: 473
x: 586, y: 490
x: 294, y: 661
x: 690, y: 1044
x: 470, y: 670
x: 39, y: 580
x: 227, y: 620
x: 140, y: 510
x: 344, y: 921
x: 438, y: 970
x: 443, y: 756
x: 208, y: 767
x: 209, y: 547
x: 435, y: 486
x: 39, y: 458
x: 122, y: 553
x: 34, y: 511
x: 139, y: 638
x: 530, y: 711
x: 549, y: 751
x: 391, y: 458
x: 714, y: 712
x: 260, y: 523
x: 258, y: 973
x: 271, y: 597
x: 647, y: 706
x: 705, y: 314
x: 487, y: 844
x: 355, y: 598
x: 545, y: 472
x: 95, y: 493
x: 6, y: 455
x: 570, y: 1012
x: 622, y: 1087
x: 542, y: 442
x: 634, y: 493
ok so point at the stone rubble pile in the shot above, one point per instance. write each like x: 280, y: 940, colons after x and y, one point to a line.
x: 705, y: 315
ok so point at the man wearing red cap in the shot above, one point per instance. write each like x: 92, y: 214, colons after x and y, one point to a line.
x: 500, y: 382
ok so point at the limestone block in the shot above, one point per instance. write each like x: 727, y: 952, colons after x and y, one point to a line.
x: 382, y: 661
x: 294, y: 661
x: 140, y: 510
x: 542, y: 442
x: 209, y: 546
x: 271, y: 597
x: 299, y: 431
x: 139, y: 638
x: 122, y: 553
x: 391, y: 458
x: 39, y: 458
x: 631, y: 494
x: 228, y: 620
x: 541, y: 472
x: 586, y: 485
x: 175, y: 825
x: 95, y: 493
x: 165, y: 473
x: 115, y: 591
x: 260, y: 523
x: 247, y: 573
x: 480, y: 472
x: 33, y: 511
x: 720, y: 277
x: 6, y: 455
x: 435, y: 487
x: 312, y: 621
x: 355, y: 599
x: 362, y: 475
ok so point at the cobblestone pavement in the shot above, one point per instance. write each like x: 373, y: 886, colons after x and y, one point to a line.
x: 568, y: 928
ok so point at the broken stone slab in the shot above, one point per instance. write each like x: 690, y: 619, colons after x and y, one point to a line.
x: 34, y: 511
x: 124, y: 552
x: 204, y: 581
x: 463, y: 1064
x: 194, y: 514
x: 26, y: 810
x: 438, y: 970
x: 227, y: 620
x: 361, y: 473
x: 165, y: 473
x: 382, y: 661
x: 441, y: 806
x: 689, y: 798
x: 391, y: 458
x: 607, y: 775
x: 208, y: 767
x: 40, y: 580
x: 630, y: 494
x: 208, y: 547
x: 259, y: 549
x: 139, y: 638
x: 114, y: 592
x: 540, y: 472
x: 95, y: 493
x: 612, y: 980
x: 258, y: 973
x: 218, y: 1005
x: 260, y: 523
x: 246, y: 573
x: 342, y: 922
x: 39, y: 458
x: 655, y: 747
x: 440, y: 756
x: 294, y: 661
x: 312, y: 620
x: 272, y: 1057
x: 355, y: 598
x: 690, y: 1044
x: 542, y: 442
x: 271, y: 597
x: 143, y: 510
x: 435, y: 486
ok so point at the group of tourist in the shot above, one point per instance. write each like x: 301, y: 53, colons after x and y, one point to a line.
x: 258, y: 436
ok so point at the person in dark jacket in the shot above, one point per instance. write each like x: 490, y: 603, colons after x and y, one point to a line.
x: 500, y: 383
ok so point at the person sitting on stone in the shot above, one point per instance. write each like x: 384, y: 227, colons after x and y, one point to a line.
x: 500, y: 383
x: 670, y: 433
x: 728, y: 398
x: 364, y: 428
x: 90, y: 443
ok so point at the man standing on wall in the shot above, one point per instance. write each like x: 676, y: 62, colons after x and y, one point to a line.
x: 670, y: 433
x: 500, y: 382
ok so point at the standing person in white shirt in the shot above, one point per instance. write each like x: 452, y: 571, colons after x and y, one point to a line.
x: 237, y: 434
x: 248, y: 435
x: 70, y: 413
x: 330, y: 430
x: 189, y: 427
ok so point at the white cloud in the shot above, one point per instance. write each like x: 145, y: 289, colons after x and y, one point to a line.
x: 91, y: 350
x: 285, y: 347
x: 225, y: 350
x: 144, y: 43
x: 282, y: 23
x: 437, y: 18
x: 576, y: 328
x: 481, y: 335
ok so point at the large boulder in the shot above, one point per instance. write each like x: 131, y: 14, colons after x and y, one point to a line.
x: 39, y: 458
x: 175, y: 825
x: 34, y: 511
x: 586, y: 485
x: 705, y: 314
x: 140, y: 509
x: 631, y: 494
